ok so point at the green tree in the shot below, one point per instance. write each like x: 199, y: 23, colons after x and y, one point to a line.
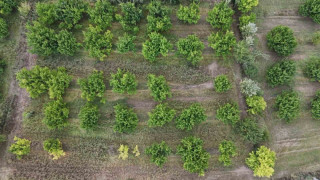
x: 262, y: 162
x: 24, y: 9
x: 126, y: 119
x: 222, y: 43
x: 195, y: 158
x: 311, y: 8
x: 93, y: 86
x: 6, y: 6
x: 89, y: 116
x: 249, y: 129
x: 56, y: 114
x: 20, y: 148
x: 130, y: 17
x: 288, y: 105
x: 281, y: 73
x: 126, y: 43
x: 54, y: 148
x: 312, y: 69
x: 157, y: 45
x: 123, y: 82
x: 41, y: 40
x: 315, y: 106
x: 246, y: 19
x: 4, y: 32
x: 67, y: 43
x: 57, y: 83
x: 229, y: 113
x: 70, y: 12
x: 101, y: 14
x: 222, y: 83
x: 159, y: 87
x: 158, y: 18
x: 256, y: 104
x: 98, y: 44
x: 159, y: 153
x: 191, y: 116
x: 220, y: 16
x: 191, y: 48
x: 316, y: 38
x: 189, y: 14
x: 227, y: 150
x: 246, y: 5
x: 281, y: 39
x: 161, y: 115
x: 47, y: 13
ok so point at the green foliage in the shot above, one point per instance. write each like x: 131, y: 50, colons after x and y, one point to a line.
x: 161, y: 115
x: 316, y: 38
x: 246, y: 5
x: 250, y: 131
x: 191, y: 48
x: 311, y: 8
x: 101, y: 14
x: 312, y: 69
x: 126, y: 43
x: 56, y: 114
x: 195, y: 158
x: 222, y: 84
x: 130, y: 17
x: 3, y: 138
x: 246, y: 19
x: 315, y: 106
x: 126, y: 119
x: 41, y: 39
x: 220, y: 16
x: 227, y: 150
x: 256, y: 104
x: 70, y: 12
x: 98, y: 44
x: 57, y: 83
x: 4, y: 32
x: 6, y: 6
x: 189, y: 14
x: 24, y: 9
x: 159, y: 153
x: 281, y: 39
x: 89, y: 116
x: 191, y: 116
x: 281, y: 73
x: 158, y: 18
x: 54, y: 148
x: 92, y: 86
x: 243, y: 53
x: 229, y: 113
x: 288, y: 105
x: 222, y: 43
x: 34, y: 80
x: 67, y: 43
x: 3, y: 66
x: 250, y: 70
x: 20, y: 148
x: 159, y: 87
x: 157, y: 45
x: 123, y: 152
x: 250, y: 88
x: 123, y: 82
x: 262, y: 162
x: 47, y: 13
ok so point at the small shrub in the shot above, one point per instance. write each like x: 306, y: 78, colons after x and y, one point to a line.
x: 222, y: 43
x: 101, y: 14
x: 191, y: 48
x: 158, y: 18
x: 311, y: 9
x: 312, y: 69
x: 159, y: 87
x: 67, y: 43
x: 250, y: 88
x: 246, y: 19
x: 189, y: 14
x: 250, y: 70
x: 281, y: 39
x: 130, y: 16
x: 136, y: 151
x: 316, y: 38
x: 56, y: 114
x: 47, y: 13
x: 24, y: 9
x: 20, y: 148
x: 256, y: 104
x: 220, y: 16
x: 159, y: 153
x: 248, y: 128
x: 4, y: 32
x: 195, y: 158
x: 6, y: 6
x: 227, y: 150
x: 222, y: 83
x: 161, y: 115
x: 246, y: 5
x: 70, y: 12
x: 126, y: 119
x: 281, y: 73
x: 288, y: 105
x: 249, y: 30
x: 92, y: 86
x: 123, y: 82
x: 126, y: 43
x: 89, y: 117
x: 243, y: 54
x: 157, y: 45
x: 191, y: 116
x: 229, y: 113
x: 54, y: 148
x: 123, y: 152
x: 262, y: 162
x: 98, y: 44
x: 315, y: 106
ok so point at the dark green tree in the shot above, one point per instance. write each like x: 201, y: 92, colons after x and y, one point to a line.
x: 159, y: 153
x: 191, y: 116
x: 56, y: 114
x: 161, y: 115
x: 311, y: 8
x: 89, y: 117
x: 159, y: 87
x: 4, y: 32
x: 47, y: 13
x: 126, y: 119
x: 101, y: 14
x: 158, y: 18
x: 67, y: 43
x: 222, y: 83
x: 229, y: 113
x: 70, y: 12
x: 123, y: 82
x: 315, y: 106
x: 191, y: 48
x: 281, y: 73
x: 126, y: 43
x: 57, y: 83
x: 288, y: 105
x: 6, y: 6
x: 189, y: 14
x: 220, y: 16
x: 93, y: 86
x: 227, y: 150
x: 157, y: 45
x: 222, y: 43
x: 130, y: 16
x: 312, y: 69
